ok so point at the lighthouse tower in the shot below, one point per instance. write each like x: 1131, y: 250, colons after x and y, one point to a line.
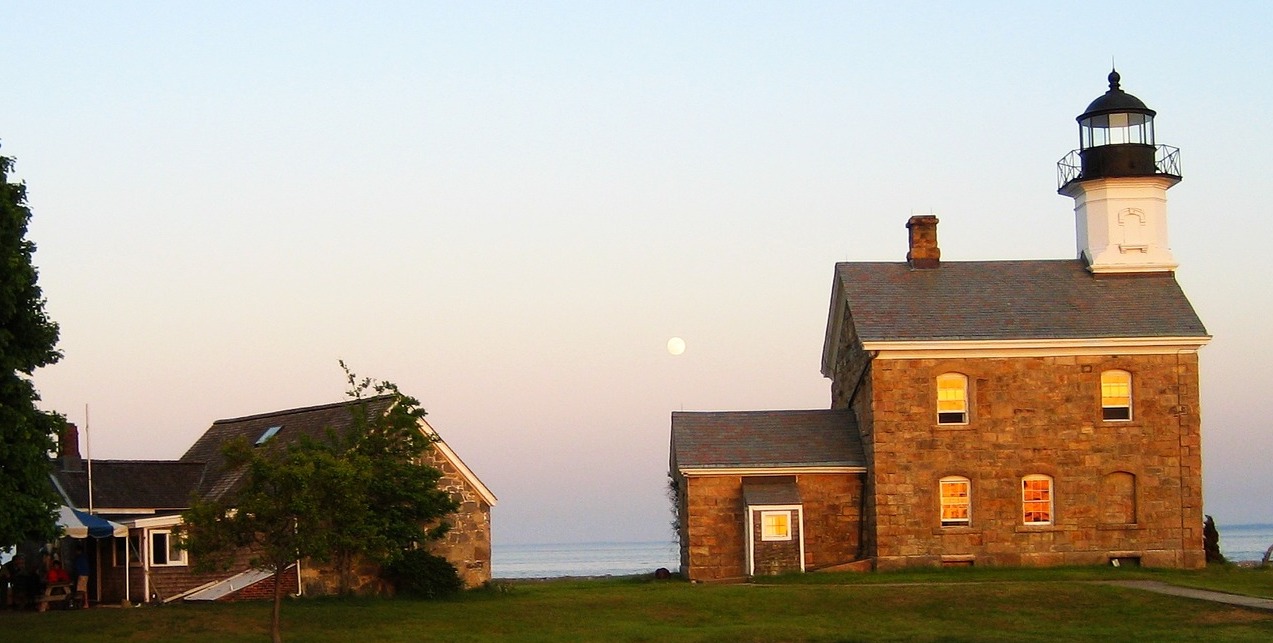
x: 1119, y: 179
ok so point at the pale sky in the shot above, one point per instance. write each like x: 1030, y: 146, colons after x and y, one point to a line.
x: 509, y: 208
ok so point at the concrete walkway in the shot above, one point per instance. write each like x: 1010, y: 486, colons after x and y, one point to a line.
x: 1200, y: 594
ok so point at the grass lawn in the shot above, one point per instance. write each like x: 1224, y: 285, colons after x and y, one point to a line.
x: 969, y: 605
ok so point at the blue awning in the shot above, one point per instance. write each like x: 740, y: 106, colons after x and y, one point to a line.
x: 79, y: 524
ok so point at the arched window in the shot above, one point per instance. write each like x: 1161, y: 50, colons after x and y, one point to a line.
x: 952, y: 399
x: 956, y: 501
x: 1116, y: 395
x: 1036, y: 500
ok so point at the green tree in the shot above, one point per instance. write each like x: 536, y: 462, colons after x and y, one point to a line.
x: 386, y: 498
x: 28, y: 340
x: 276, y: 515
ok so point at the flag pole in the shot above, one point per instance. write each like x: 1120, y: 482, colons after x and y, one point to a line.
x: 88, y: 449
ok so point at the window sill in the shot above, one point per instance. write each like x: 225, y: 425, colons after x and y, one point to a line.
x: 956, y: 531
x: 952, y: 427
x: 1036, y: 529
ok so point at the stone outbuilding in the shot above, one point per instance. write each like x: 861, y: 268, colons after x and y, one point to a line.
x: 149, y: 496
x: 1039, y: 412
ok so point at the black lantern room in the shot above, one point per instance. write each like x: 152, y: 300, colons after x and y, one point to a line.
x: 1116, y: 138
x: 1116, y: 135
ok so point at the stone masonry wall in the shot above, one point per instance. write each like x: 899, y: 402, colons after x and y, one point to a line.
x: 467, y: 545
x: 852, y: 388
x: 713, y: 523
x: 1127, y: 489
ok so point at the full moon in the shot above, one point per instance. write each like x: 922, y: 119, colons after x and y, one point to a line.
x: 676, y: 346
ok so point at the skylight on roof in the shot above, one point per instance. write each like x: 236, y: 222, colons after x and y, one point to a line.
x: 265, y: 437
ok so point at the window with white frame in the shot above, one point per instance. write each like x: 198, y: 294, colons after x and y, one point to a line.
x: 952, y: 399
x: 775, y: 525
x: 164, y: 551
x: 956, y: 501
x: 1116, y: 395
x: 1036, y: 500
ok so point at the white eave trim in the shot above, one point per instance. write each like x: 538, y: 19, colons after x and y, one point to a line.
x: 765, y: 471
x: 157, y: 521
x: 1035, y: 347
x: 464, y: 470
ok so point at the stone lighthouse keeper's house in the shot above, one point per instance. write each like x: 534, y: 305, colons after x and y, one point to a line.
x: 1038, y: 412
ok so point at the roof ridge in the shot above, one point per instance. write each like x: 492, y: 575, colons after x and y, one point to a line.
x: 961, y: 261
x: 304, y: 409
x: 131, y: 461
x: 763, y: 412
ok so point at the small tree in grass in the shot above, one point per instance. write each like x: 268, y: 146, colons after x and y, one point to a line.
x: 1211, y: 541
x: 275, y: 515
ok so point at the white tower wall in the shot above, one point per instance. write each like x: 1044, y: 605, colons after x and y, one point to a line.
x: 1121, y: 223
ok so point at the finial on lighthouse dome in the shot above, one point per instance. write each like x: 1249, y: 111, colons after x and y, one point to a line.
x: 1117, y: 100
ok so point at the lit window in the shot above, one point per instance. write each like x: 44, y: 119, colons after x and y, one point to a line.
x: 775, y: 525
x: 1116, y: 395
x: 956, y: 502
x: 164, y: 550
x: 952, y: 399
x: 1036, y: 500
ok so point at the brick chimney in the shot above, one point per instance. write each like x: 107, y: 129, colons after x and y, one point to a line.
x: 924, y: 253
x: 68, y: 448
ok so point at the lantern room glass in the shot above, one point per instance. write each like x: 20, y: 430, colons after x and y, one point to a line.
x: 1117, y: 128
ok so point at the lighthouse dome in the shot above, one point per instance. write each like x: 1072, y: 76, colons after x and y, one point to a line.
x: 1115, y: 100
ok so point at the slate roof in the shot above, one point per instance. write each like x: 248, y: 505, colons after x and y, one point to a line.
x: 313, y: 421
x: 158, y: 485
x: 1005, y: 300
x: 765, y: 439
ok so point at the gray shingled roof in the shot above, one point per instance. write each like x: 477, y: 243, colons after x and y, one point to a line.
x: 999, y: 300
x: 313, y: 421
x: 765, y: 439
x: 132, y: 484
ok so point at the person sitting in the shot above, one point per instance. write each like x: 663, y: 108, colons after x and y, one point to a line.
x: 23, y: 581
x: 57, y: 575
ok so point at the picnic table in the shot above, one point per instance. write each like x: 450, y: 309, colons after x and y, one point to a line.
x: 55, y: 592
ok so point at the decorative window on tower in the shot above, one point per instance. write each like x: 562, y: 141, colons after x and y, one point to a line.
x: 1036, y: 500
x: 956, y: 502
x: 1116, y: 395
x: 1134, y: 230
x: 952, y: 399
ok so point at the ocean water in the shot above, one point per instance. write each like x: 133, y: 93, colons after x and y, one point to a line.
x: 1245, y: 542
x: 583, y: 559
x: 1237, y: 543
